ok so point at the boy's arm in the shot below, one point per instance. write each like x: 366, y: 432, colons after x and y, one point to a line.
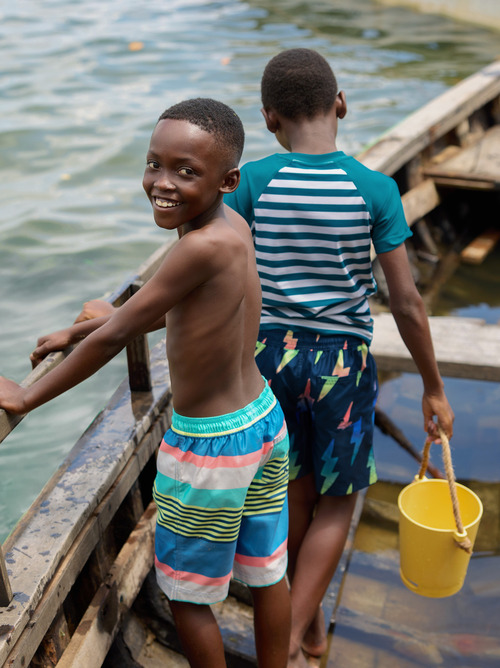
x: 184, y: 269
x: 88, y: 320
x: 63, y: 338
x: 409, y: 313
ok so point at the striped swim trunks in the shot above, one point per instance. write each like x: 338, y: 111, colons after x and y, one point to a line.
x: 221, y: 494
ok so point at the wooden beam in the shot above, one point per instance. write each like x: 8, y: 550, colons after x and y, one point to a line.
x: 5, y: 588
x: 139, y: 372
x: 70, y: 567
x: 474, y: 167
x: 480, y: 247
x: 451, y: 337
x: 429, y: 123
x: 420, y: 201
x: 98, y: 627
x: 68, y: 518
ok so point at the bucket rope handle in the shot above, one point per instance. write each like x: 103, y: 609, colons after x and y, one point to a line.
x: 463, y: 541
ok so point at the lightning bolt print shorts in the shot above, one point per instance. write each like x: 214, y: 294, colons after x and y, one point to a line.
x: 327, y: 387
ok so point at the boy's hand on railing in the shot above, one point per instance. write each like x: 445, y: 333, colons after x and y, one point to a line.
x: 94, y: 308
x: 11, y: 396
x: 51, y: 343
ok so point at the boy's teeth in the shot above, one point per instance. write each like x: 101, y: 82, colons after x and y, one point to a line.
x: 165, y: 204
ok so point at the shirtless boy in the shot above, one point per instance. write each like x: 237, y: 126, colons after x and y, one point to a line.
x: 228, y: 435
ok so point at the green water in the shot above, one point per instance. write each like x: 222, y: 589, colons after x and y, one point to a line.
x: 77, y: 108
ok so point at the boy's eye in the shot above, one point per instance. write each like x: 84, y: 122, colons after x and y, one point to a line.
x: 152, y: 164
x: 186, y: 171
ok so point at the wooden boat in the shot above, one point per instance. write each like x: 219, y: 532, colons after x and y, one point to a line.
x: 76, y: 584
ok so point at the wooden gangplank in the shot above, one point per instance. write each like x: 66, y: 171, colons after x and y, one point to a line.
x: 464, y: 347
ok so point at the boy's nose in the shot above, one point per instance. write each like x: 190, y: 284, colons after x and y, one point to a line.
x: 164, y: 182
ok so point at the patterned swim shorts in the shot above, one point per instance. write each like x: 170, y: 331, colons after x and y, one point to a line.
x: 327, y: 387
x: 221, y: 494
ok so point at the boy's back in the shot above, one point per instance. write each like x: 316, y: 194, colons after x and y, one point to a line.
x: 212, y: 331
x: 313, y: 220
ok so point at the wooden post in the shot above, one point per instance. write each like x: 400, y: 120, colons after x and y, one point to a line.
x: 139, y: 373
x: 5, y: 589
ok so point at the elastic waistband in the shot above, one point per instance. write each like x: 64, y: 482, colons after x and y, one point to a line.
x: 219, y: 425
x: 302, y: 338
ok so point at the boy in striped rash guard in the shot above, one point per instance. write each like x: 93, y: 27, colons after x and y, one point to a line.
x: 314, y: 212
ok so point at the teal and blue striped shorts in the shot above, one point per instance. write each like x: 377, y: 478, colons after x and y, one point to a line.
x: 221, y: 494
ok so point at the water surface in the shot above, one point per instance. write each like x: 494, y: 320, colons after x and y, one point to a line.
x: 82, y: 86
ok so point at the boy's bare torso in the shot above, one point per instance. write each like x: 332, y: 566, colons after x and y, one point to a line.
x: 211, y: 332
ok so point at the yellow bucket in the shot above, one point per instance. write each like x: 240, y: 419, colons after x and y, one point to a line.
x: 431, y: 561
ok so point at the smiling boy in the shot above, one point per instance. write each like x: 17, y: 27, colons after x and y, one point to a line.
x: 223, y: 466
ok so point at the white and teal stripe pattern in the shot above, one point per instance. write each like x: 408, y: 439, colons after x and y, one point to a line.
x: 312, y: 240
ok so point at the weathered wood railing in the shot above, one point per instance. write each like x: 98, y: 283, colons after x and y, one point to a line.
x: 139, y: 379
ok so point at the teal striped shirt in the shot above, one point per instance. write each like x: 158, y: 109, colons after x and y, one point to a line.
x: 313, y: 218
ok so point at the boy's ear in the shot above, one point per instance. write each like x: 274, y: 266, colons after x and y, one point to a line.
x: 231, y: 180
x: 341, y: 105
x: 271, y: 119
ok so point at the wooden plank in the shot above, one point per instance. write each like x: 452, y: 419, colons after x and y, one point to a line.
x: 432, y: 121
x: 139, y: 373
x: 452, y: 339
x: 54, y: 522
x: 53, y: 644
x: 95, y: 633
x: 72, y: 564
x: 478, y: 165
x: 5, y: 588
x: 420, y: 201
x: 479, y: 248
x: 462, y: 183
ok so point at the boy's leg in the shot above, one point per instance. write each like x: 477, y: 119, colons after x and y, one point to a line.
x: 316, y: 561
x: 272, y: 617
x: 302, y: 499
x: 199, y: 634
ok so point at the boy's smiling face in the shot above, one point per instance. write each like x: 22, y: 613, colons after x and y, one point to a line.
x: 185, y: 175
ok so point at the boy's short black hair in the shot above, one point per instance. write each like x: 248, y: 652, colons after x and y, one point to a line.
x: 217, y: 119
x: 298, y: 83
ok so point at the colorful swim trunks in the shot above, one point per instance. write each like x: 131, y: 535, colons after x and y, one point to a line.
x: 221, y: 494
x: 327, y: 387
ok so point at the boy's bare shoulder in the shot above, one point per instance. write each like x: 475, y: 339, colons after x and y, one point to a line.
x: 238, y: 222
x: 216, y: 243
